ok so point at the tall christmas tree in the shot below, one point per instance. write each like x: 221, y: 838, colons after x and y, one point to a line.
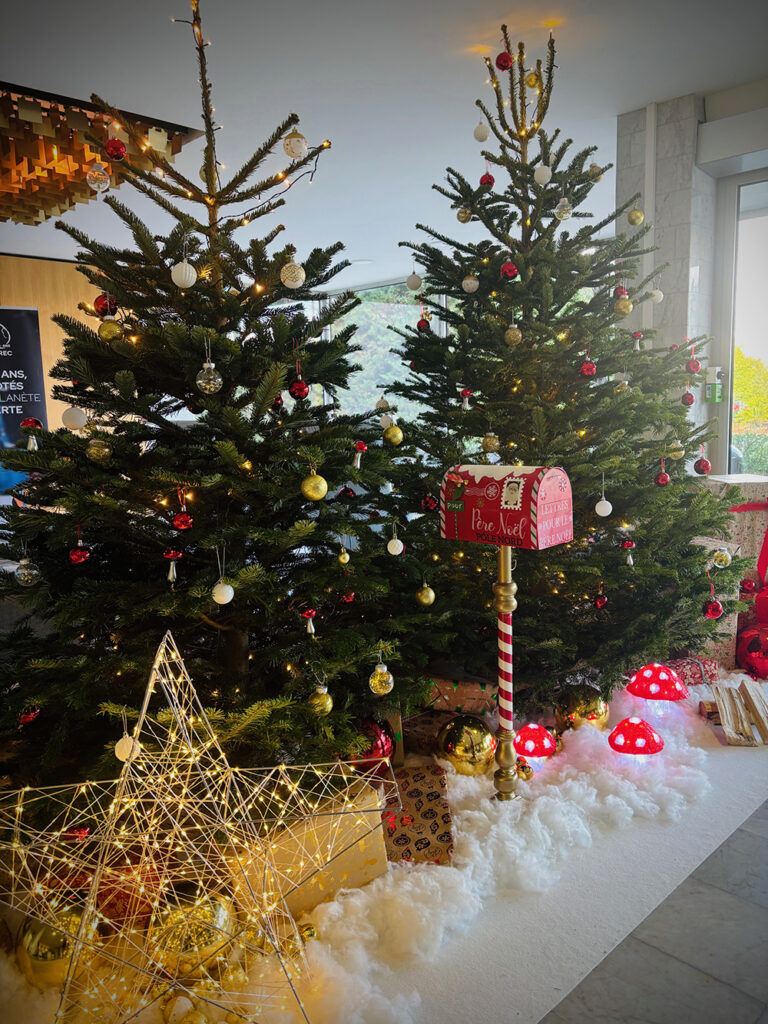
x: 188, y: 488
x: 527, y: 362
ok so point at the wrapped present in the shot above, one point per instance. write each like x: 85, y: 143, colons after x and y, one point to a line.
x: 420, y: 731
x: 469, y: 698
x: 420, y: 830
x: 395, y: 720
x: 695, y: 671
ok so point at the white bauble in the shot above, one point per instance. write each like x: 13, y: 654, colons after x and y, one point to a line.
x: 413, y: 281
x: 543, y: 174
x: 481, y: 132
x: 98, y: 178
x: 470, y: 284
x: 292, y: 275
x: 74, y: 418
x: 295, y: 145
x: 395, y: 546
x: 382, y: 404
x: 126, y: 748
x: 222, y: 593
x: 183, y: 274
x: 603, y: 507
x: 385, y: 421
x: 656, y: 296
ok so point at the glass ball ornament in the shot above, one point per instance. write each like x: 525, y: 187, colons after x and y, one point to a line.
x: 381, y: 681
x: 343, y: 557
x: 702, y: 466
x: 656, y: 295
x: 713, y: 609
x: 470, y: 284
x: 463, y: 215
x: 635, y: 217
x: 623, y: 306
x: 468, y: 744
x: 481, y: 132
x: 74, y: 418
x: 98, y: 450
x: 600, y: 601
x: 580, y: 705
x: 662, y: 479
x: 595, y: 172
x: 183, y: 275
x: 508, y: 271
x: 513, y: 335
x: 43, y: 953
x: 676, y: 451
x: 588, y: 368
x: 295, y: 146
x: 299, y: 389
x: 209, y: 380
x: 126, y: 748
x: 115, y: 149
x: 183, y: 520
x: 722, y: 558
x: 98, y: 178
x: 314, y: 487
x: 292, y: 275
x: 563, y: 210
x: 79, y: 553
x: 393, y: 435
x: 687, y: 398
x: 223, y: 592
x: 413, y: 282
x: 425, y: 595
x: 504, y: 61
x: 321, y: 702
x: 395, y: 546
x: 542, y: 175
x: 693, y: 366
x: 382, y: 746
x: 621, y: 386
x: 603, y: 507
x: 26, y: 573
x: 110, y: 330
x: 490, y: 443
x: 104, y: 305
x: 487, y: 180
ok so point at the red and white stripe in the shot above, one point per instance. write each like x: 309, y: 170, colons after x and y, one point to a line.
x: 504, y: 636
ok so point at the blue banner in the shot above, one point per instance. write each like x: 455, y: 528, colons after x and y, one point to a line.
x: 22, y: 384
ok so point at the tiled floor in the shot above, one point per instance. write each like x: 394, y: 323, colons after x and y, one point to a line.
x: 700, y: 958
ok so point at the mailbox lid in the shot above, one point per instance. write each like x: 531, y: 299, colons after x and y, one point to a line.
x: 519, y: 506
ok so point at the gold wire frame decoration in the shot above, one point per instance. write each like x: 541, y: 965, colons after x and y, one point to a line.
x: 165, y: 882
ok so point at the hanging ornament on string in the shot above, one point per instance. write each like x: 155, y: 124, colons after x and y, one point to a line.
x: 620, y: 292
x: 663, y: 478
x: 470, y: 284
x: 32, y: 423
x: 295, y: 145
x: 425, y: 595
x: 712, y: 608
x: 172, y: 555
x: 687, y: 397
x: 360, y: 449
x: 127, y: 747
x: 79, y: 553
x: 676, y: 450
x: 513, y: 335
x: 104, y: 305
x: 588, y: 368
x: 115, y: 149
x: 299, y: 389
x: 600, y: 600
x: 183, y: 274
x: 504, y: 61
x: 638, y: 336
x: 722, y: 558
x: 603, y: 507
x: 622, y: 306
x: 542, y: 175
x: 622, y: 383
x: 346, y: 492
x: 222, y: 592
x: 209, y: 380
x: 182, y: 520
x: 110, y: 330
x: 702, y: 466
x: 656, y: 295
x: 422, y: 324
x: 413, y: 281
x: 74, y: 418
x: 394, y: 545
x: 628, y: 546
x: 98, y: 450
x: 463, y: 215
x: 349, y: 597
x: 314, y: 487
x: 309, y: 615
x: 320, y: 702
x: 693, y: 365
x: 487, y: 180
x: 466, y: 394
x: 508, y: 271
x: 481, y: 131
x: 26, y: 572
x: 381, y: 681
x: 392, y: 435
x: 490, y: 443
x: 343, y: 556
x: 563, y: 210
x: 292, y: 275
x: 635, y: 216
x: 98, y: 178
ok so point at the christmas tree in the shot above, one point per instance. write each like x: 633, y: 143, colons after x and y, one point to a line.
x: 521, y: 357
x: 187, y: 492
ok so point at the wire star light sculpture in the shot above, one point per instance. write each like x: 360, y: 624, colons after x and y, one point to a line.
x: 164, y: 881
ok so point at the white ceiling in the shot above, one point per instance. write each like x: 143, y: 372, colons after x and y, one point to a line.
x: 391, y: 82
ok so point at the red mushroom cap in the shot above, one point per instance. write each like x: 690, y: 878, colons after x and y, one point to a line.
x: 466, y: 393
x: 361, y: 446
x: 634, y: 736
x: 309, y: 613
x: 534, y: 741
x: 657, y: 682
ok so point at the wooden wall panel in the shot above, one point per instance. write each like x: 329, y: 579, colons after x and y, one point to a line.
x: 50, y: 287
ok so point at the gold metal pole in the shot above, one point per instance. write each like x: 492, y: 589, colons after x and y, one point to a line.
x: 504, y: 601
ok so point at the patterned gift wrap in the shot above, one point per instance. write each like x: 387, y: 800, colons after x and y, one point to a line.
x: 695, y: 671
x: 461, y: 696
x: 421, y: 830
x: 420, y: 731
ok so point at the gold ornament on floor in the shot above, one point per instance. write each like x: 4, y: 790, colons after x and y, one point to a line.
x: 381, y: 679
x: 321, y: 701
x: 393, y: 435
x: 635, y: 217
x: 98, y: 450
x: 307, y: 931
x: 468, y: 744
x: 490, y: 443
x: 43, y: 953
x: 579, y: 705
x: 314, y: 487
x: 425, y: 595
x: 623, y: 306
x: 676, y: 450
x: 722, y: 558
x: 189, y: 932
x: 110, y: 330
x: 524, y: 770
x: 463, y: 215
x: 343, y: 556
x: 513, y: 335
x: 595, y: 172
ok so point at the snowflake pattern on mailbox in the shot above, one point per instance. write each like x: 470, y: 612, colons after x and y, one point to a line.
x: 512, y: 506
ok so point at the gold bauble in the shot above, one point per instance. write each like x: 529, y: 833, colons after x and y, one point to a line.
x: 595, y: 172
x: 490, y: 443
x: 524, y: 770
x: 425, y: 595
x: 110, y: 330
x: 513, y: 336
x: 578, y: 705
x: 314, y: 487
x: 381, y: 680
x: 393, y: 435
x: 722, y: 558
x: 343, y: 557
x: 468, y: 744
x: 98, y: 450
x: 43, y: 953
x: 635, y: 217
x: 321, y: 702
x: 463, y: 215
x: 185, y: 935
x: 307, y: 931
x: 532, y: 79
x: 622, y: 385
x: 623, y: 306
x: 292, y: 275
x: 676, y: 450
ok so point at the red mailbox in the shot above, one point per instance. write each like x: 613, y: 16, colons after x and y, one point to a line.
x: 512, y: 506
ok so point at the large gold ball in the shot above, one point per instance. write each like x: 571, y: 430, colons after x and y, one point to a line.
x: 676, y: 450
x: 468, y: 744
x: 595, y: 172
x: 623, y: 307
x: 490, y: 443
x: 579, y: 705
x: 532, y: 79
x: 98, y: 450
x: 343, y: 557
x: 43, y: 953
x: 393, y: 435
x: 314, y: 487
x: 425, y: 595
x: 321, y: 702
x: 110, y: 330
x: 463, y: 215
x: 513, y: 336
x: 185, y: 936
x: 635, y: 217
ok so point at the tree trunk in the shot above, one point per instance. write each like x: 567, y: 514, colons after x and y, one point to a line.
x: 236, y: 652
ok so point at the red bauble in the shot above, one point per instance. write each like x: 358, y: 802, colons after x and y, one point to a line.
x: 702, y: 466
x: 422, y: 324
x: 713, y: 609
x: 600, y: 601
x: 277, y: 402
x: 173, y: 554
x: 382, y: 743
x: 748, y: 586
x: 694, y: 365
x: 752, y: 650
x: 183, y: 521
x: 662, y: 479
x: 346, y: 492
x: 687, y: 398
x: 588, y: 368
x: 348, y: 598
x: 105, y: 305
x: 299, y: 389
x: 620, y: 293
x: 487, y: 179
x: 430, y: 503
x: 25, y: 717
x: 508, y: 271
x: 504, y: 61
x: 31, y: 422
x: 115, y: 149
x: 79, y: 554
x: 412, y: 365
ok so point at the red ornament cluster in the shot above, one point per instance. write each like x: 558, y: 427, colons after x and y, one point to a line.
x: 430, y: 503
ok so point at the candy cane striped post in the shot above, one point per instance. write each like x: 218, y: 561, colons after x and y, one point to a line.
x: 504, y: 601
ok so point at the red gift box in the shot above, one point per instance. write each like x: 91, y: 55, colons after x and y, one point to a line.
x: 695, y: 671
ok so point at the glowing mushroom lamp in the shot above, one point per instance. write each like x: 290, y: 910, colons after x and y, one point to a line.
x: 635, y: 737
x: 534, y: 743
x: 657, y: 683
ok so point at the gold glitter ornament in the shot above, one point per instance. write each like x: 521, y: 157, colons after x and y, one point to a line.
x: 623, y: 306
x: 490, y: 443
x: 722, y: 558
x: 98, y: 450
x: 393, y: 435
x: 110, y: 330
x: 381, y: 681
x: 676, y: 450
x: 468, y: 744
x: 532, y: 79
x: 314, y: 487
x: 463, y: 215
x: 578, y: 705
x: 292, y: 275
x: 513, y: 335
x: 635, y: 217
x: 185, y: 936
x: 343, y: 556
x: 321, y: 702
